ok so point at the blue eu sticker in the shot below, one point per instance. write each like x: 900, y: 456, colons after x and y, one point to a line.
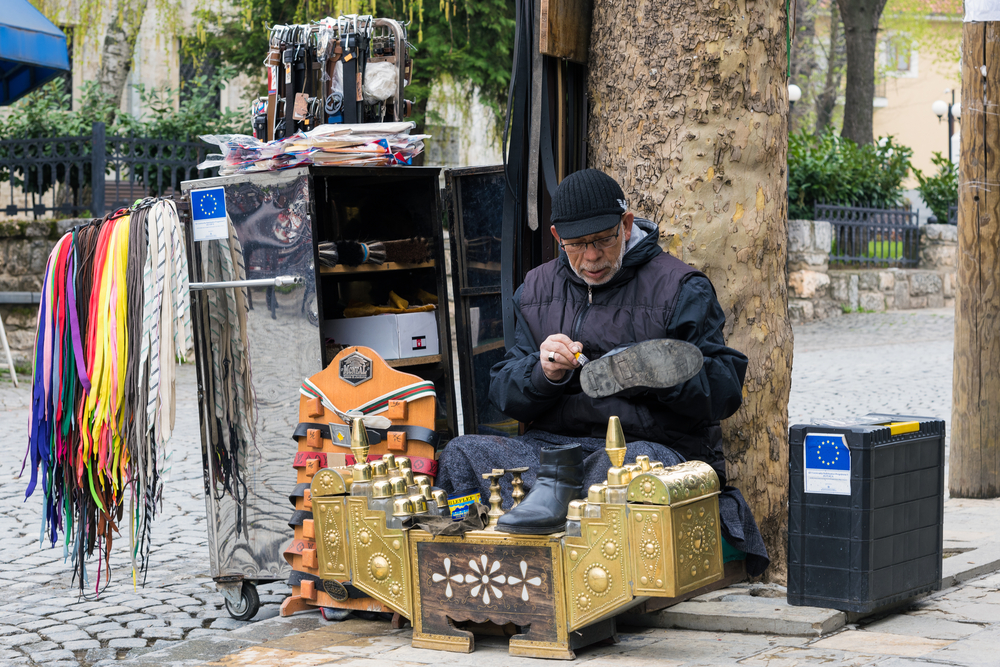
x: 208, y: 214
x: 828, y: 464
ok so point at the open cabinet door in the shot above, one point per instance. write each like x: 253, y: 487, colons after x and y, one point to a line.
x: 474, y: 197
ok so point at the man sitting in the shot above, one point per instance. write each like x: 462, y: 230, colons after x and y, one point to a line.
x: 652, y: 326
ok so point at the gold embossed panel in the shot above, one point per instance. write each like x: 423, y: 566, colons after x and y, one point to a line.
x: 697, y: 543
x: 330, y: 514
x: 380, y: 563
x: 327, y: 482
x: 597, y: 567
x: 651, y: 550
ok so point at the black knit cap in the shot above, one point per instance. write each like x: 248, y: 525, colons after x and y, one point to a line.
x: 587, y: 202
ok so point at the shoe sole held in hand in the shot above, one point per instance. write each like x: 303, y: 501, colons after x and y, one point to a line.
x: 653, y: 364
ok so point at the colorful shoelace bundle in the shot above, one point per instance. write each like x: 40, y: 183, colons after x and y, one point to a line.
x: 113, y: 317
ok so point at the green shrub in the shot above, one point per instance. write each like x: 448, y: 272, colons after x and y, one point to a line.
x: 827, y: 168
x: 940, y: 191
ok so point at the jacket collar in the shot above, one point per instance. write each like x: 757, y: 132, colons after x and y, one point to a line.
x: 647, y: 249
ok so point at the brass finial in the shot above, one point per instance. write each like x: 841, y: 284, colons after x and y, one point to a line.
x: 643, y: 462
x: 614, y: 443
x: 614, y: 446
x: 359, y: 441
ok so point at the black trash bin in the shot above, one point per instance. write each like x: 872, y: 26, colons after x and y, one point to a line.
x: 865, y: 511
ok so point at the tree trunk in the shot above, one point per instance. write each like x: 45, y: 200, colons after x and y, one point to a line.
x: 826, y: 101
x: 689, y: 114
x: 860, y: 19
x: 119, y: 46
x: 974, y: 463
x: 803, y: 61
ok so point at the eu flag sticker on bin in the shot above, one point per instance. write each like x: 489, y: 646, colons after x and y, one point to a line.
x: 208, y: 214
x: 828, y: 464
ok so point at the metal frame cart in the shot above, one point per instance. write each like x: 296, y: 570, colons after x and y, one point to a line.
x: 278, y: 219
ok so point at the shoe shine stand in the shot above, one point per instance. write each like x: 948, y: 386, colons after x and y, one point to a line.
x: 649, y: 531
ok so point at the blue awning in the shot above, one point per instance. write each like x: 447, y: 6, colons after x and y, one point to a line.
x: 32, y: 50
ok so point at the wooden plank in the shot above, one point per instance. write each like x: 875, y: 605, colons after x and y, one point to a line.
x: 988, y: 310
x: 975, y: 402
x: 565, y: 29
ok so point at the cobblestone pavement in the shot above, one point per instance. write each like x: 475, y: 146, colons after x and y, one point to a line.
x: 850, y: 365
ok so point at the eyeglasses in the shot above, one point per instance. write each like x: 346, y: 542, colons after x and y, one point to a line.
x: 602, y: 243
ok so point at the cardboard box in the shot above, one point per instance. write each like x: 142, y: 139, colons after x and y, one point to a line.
x: 392, y: 336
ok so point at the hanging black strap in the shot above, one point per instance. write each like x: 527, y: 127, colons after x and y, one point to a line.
x: 375, y: 435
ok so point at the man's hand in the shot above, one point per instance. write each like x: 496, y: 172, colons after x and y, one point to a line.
x: 558, y: 355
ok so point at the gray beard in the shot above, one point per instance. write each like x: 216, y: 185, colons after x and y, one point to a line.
x: 615, y: 268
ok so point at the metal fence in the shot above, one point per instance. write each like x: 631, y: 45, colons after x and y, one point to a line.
x: 91, y: 175
x: 872, y: 236
x: 953, y: 214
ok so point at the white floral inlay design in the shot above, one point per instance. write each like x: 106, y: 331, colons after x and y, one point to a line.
x: 447, y: 577
x: 534, y: 581
x: 484, y: 578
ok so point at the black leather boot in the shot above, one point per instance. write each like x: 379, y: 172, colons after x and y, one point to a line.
x: 560, y: 480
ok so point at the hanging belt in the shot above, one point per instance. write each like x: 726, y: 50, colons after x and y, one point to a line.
x: 341, y: 435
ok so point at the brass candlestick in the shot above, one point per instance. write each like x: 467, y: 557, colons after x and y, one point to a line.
x: 517, y: 484
x: 495, y: 499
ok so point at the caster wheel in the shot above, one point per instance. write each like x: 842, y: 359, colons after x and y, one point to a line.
x: 249, y: 603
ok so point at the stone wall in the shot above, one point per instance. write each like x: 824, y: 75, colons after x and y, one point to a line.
x: 24, y: 250
x: 815, y: 291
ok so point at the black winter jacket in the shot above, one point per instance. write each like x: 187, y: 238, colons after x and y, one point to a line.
x: 654, y: 295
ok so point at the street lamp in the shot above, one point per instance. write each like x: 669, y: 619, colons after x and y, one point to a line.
x: 940, y: 108
x: 794, y: 94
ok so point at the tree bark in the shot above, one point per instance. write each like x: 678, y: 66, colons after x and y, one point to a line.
x: 860, y: 19
x: 689, y: 114
x: 119, y: 46
x: 974, y: 459
x: 803, y: 61
x: 826, y: 101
